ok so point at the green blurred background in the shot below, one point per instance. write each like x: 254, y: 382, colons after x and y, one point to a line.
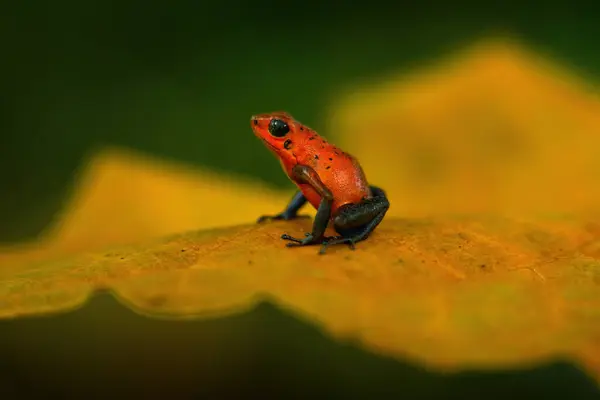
x: 180, y: 79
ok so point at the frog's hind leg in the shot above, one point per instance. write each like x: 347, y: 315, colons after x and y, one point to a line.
x: 355, y: 222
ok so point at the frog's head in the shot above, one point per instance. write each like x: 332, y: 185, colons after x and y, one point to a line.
x: 277, y: 131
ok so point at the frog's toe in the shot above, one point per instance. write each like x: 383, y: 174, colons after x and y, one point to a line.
x: 308, y: 240
x: 338, y: 240
x: 285, y: 236
x: 266, y: 218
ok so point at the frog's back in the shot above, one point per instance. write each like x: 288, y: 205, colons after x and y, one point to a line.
x: 339, y: 171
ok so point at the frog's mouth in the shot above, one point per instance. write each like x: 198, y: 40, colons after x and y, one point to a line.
x: 270, y: 146
x: 280, y: 153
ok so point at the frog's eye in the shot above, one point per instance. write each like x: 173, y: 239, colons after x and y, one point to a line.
x: 278, y: 128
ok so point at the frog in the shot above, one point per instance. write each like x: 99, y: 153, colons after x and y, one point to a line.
x: 326, y: 177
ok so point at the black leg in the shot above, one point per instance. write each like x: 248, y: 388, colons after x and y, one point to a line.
x: 290, y: 212
x: 378, y: 192
x: 307, y: 175
x: 319, y: 226
x: 355, y: 222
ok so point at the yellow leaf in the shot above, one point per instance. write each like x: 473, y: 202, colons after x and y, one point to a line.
x: 449, y: 292
x: 122, y: 196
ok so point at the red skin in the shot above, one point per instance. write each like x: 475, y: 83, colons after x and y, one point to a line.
x: 339, y: 171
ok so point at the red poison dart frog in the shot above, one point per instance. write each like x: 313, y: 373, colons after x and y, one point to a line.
x: 331, y: 180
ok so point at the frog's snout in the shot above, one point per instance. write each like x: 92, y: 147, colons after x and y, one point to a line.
x: 259, y: 122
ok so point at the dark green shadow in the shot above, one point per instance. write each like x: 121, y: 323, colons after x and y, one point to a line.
x: 104, y: 350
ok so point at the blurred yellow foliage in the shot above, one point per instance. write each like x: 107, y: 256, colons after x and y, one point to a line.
x: 124, y: 197
x: 494, y: 128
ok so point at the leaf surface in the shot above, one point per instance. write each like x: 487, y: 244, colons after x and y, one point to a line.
x: 450, y: 292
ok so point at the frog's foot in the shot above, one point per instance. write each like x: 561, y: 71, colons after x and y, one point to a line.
x: 308, y: 240
x: 337, y: 240
x: 325, y: 241
x: 280, y: 217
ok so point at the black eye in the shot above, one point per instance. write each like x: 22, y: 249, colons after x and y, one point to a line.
x: 278, y: 128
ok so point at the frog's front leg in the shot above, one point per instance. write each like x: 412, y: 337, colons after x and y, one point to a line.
x: 305, y: 174
x: 355, y: 222
x: 290, y: 212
